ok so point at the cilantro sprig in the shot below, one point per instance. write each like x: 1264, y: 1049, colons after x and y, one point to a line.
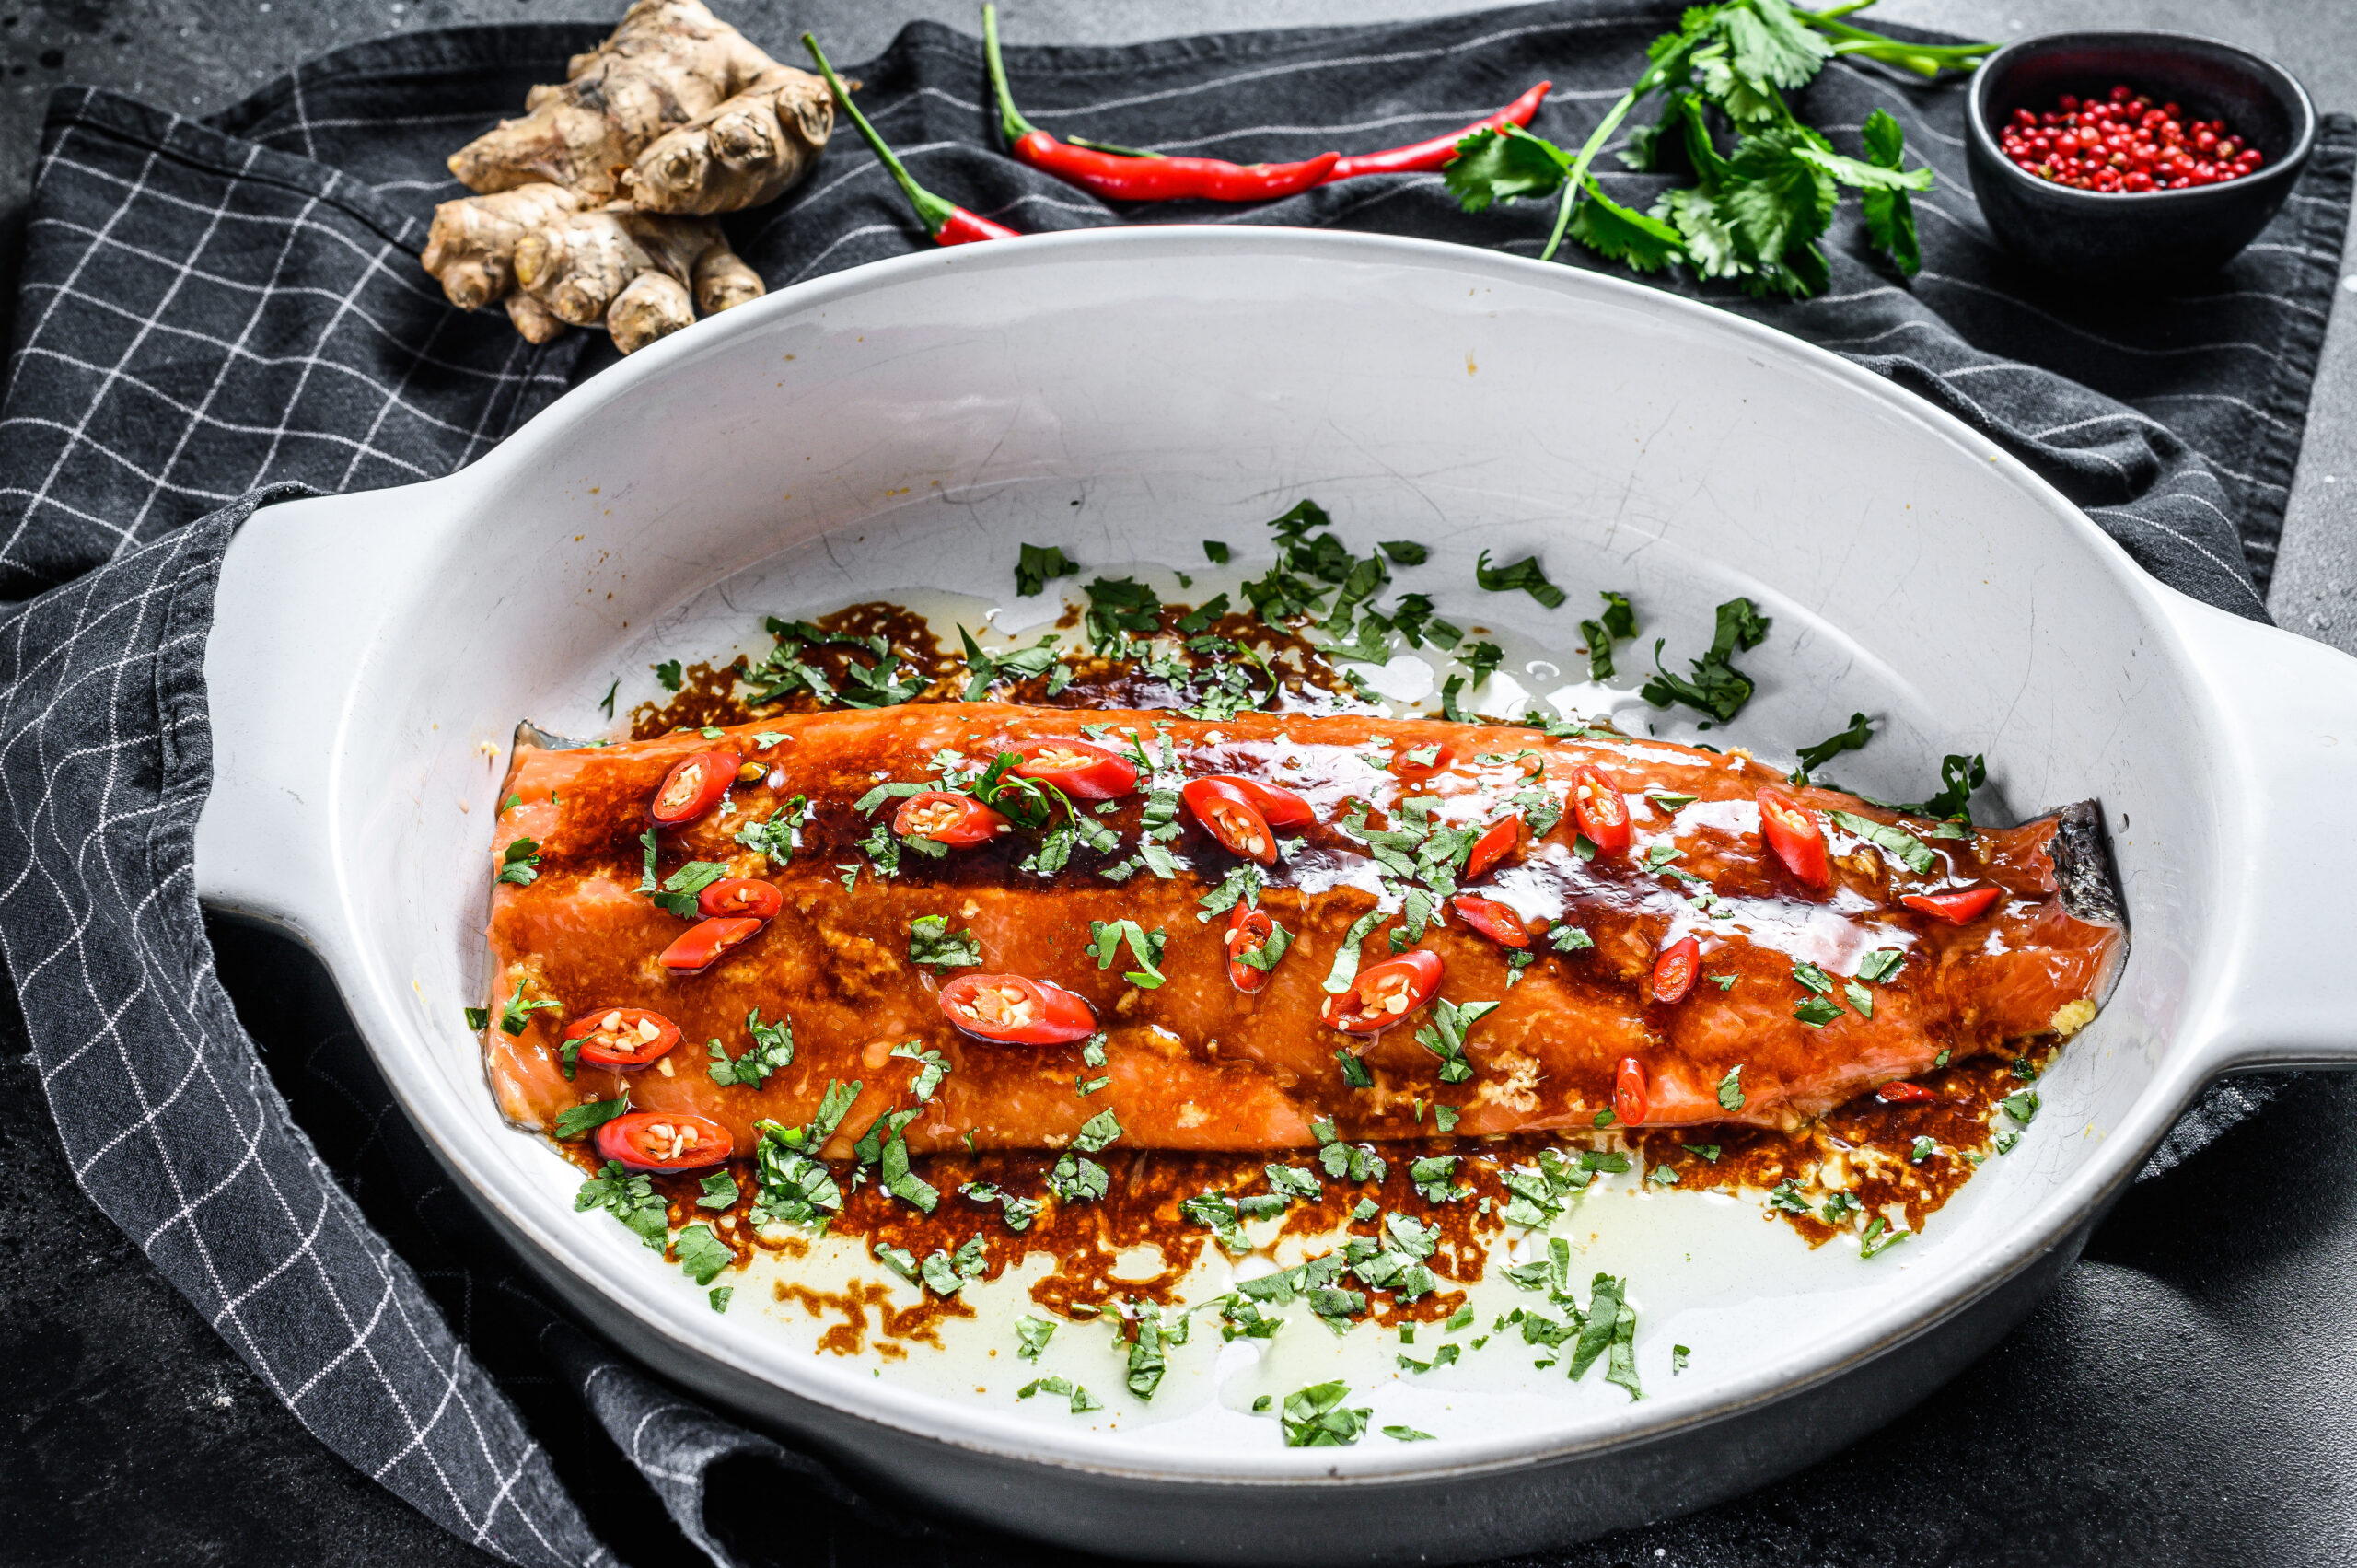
x: 1755, y: 211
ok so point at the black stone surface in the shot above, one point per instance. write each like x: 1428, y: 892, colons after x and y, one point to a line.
x: 2185, y: 1398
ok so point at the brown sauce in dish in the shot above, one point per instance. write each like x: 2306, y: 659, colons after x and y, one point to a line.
x: 1865, y: 1148
x: 1089, y: 1243
x: 715, y: 695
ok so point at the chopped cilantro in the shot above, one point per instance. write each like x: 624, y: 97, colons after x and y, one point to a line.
x: 1959, y: 776
x: 1817, y: 1011
x: 702, y: 1254
x: 520, y: 863
x: 1314, y: 1418
x: 678, y: 893
x: 772, y: 1049
x: 1036, y: 564
x: 1445, y: 1036
x: 1524, y: 573
x: 1731, y: 1090
x: 1814, y: 757
x: 631, y: 1199
x: 1106, y: 939
x: 931, y: 943
x: 1032, y: 1334
x: 575, y: 1121
x: 720, y: 1191
x: 1717, y: 688
x: 1879, y: 964
x: 1923, y: 1149
x: 1880, y: 1238
x: 1910, y: 850
x: 667, y: 673
x: 606, y: 703
x: 1075, y: 1180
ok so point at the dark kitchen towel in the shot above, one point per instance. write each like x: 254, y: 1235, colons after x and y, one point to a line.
x: 216, y: 313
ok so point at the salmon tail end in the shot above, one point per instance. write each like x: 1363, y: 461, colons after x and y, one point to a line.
x: 530, y: 734
x: 2080, y: 851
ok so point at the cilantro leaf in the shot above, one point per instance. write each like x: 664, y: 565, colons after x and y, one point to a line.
x: 1717, y: 688
x: 1908, y: 850
x: 931, y: 943
x: 1959, y: 776
x: 1035, y: 564
x: 1496, y: 165
x: 1814, y: 757
x: 1524, y: 573
x: 1314, y: 1418
x: 702, y: 1254
x: 576, y: 1119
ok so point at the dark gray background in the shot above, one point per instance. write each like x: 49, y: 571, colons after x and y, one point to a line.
x: 2184, y: 1398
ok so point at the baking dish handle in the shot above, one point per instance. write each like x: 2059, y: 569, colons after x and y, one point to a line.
x: 2284, y: 711
x: 305, y: 588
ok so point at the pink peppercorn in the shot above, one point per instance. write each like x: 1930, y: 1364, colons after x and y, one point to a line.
x: 2122, y: 141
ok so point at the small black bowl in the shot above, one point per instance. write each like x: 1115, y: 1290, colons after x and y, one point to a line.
x: 2138, y: 239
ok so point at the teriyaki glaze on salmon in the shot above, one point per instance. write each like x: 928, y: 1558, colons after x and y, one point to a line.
x: 976, y: 927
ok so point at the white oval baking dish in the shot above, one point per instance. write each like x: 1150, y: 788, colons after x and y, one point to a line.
x: 903, y: 426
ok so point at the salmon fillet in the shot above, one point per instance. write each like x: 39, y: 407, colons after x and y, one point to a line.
x: 1197, y: 1065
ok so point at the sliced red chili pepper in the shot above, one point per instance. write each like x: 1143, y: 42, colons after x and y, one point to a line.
x: 622, y: 1037
x: 1386, y: 992
x: 745, y: 896
x: 1081, y: 769
x: 1503, y: 836
x: 1406, y: 766
x: 1957, y: 908
x: 693, y: 786
x: 1633, y: 1101
x: 948, y: 223
x: 1150, y: 178
x: 1248, y: 930
x: 1493, y: 919
x: 703, y: 944
x: 1231, y: 817
x: 1418, y: 157
x: 664, y: 1140
x: 1600, y: 811
x: 957, y: 821
x: 1015, y: 1010
x: 1796, y: 837
x: 1899, y: 1093
x: 1278, y: 806
x: 1675, y: 971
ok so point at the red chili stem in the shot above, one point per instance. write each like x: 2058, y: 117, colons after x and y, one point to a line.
x: 1121, y: 178
x: 1419, y: 156
x: 944, y: 220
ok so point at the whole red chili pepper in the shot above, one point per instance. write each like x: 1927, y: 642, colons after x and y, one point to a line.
x: 948, y: 223
x: 1149, y: 178
x: 1418, y: 157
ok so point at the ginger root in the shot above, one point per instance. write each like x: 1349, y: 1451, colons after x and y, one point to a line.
x: 642, y: 274
x: 472, y: 248
x: 671, y: 66
x: 594, y: 205
x: 751, y: 150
